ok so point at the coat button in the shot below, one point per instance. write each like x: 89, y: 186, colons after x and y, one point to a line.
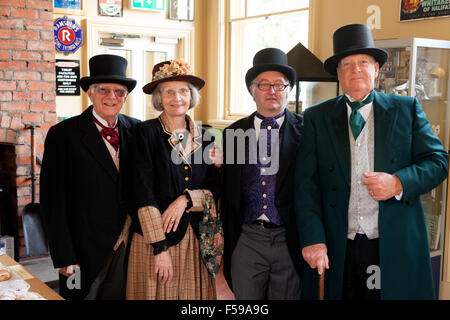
x: 333, y: 188
x: 186, y: 179
x: 331, y: 169
x: 333, y: 205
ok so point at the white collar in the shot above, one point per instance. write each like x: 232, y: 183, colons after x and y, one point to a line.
x: 102, y: 121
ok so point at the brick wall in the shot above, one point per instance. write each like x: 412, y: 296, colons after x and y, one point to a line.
x: 27, y: 85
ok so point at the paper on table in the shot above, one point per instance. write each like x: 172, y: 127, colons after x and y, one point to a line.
x: 16, y: 288
x: 24, y: 274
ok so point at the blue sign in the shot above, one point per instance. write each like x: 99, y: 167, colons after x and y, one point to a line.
x: 68, y: 35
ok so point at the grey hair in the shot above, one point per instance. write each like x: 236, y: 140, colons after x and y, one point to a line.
x: 157, y: 100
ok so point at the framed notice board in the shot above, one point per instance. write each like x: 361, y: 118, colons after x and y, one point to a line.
x: 67, y: 77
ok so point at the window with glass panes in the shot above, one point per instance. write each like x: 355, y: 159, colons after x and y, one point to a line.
x: 254, y: 25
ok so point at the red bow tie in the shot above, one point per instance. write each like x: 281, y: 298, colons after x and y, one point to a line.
x: 110, y: 134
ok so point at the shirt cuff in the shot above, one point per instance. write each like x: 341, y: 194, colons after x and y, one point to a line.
x: 151, y: 224
x: 399, y: 196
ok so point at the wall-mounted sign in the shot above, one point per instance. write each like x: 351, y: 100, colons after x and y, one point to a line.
x: 181, y: 10
x: 110, y: 8
x: 69, y: 7
x: 149, y: 5
x: 68, y: 35
x: 67, y: 77
x: 421, y: 9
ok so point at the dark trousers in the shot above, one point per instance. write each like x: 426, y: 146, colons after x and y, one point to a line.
x: 261, y: 266
x: 362, y: 263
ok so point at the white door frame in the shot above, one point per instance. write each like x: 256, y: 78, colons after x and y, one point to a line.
x: 94, y: 29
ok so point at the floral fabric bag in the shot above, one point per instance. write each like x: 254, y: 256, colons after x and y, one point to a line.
x: 211, y: 236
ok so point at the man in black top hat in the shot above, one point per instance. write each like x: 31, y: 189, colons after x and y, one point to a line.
x: 261, y: 258
x: 364, y: 160
x: 85, y: 188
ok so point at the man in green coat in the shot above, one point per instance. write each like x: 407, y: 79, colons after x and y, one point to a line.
x: 363, y: 162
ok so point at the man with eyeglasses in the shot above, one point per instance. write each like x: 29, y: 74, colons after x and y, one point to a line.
x: 85, y: 187
x: 261, y: 258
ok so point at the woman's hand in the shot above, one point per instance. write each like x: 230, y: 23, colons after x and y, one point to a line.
x: 172, y: 216
x: 163, y: 267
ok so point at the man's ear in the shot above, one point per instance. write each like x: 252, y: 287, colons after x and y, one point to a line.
x: 252, y: 91
x: 377, y: 68
x: 89, y: 93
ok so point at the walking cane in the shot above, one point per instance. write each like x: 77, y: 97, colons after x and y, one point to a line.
x: 321, y: 284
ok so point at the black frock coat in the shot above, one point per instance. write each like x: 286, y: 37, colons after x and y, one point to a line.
x: 232, y: 216
x: 84, y: 199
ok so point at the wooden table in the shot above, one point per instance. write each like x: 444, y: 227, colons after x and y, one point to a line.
x: 36, y: 285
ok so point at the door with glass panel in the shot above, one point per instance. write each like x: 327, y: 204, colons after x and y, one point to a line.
x: 142, y: 53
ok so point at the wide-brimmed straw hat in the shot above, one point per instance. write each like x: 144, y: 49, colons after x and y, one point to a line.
x: 108, y: 68
x: 353, y: 39
x: 172, y: 70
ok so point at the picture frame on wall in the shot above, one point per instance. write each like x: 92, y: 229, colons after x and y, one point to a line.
x: 181, y: 10
x: 420, y: 9
x: 148, y: 5
x: 110, y: 8
x: 69, y: 7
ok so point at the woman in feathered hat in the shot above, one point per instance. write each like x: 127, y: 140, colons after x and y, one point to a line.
x: 175, y: 181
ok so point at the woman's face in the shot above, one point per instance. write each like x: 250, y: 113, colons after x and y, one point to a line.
x: 175, y: 97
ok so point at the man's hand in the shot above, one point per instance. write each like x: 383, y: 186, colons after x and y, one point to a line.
x: 382, y: 185
x: 69, y: 270
x: 216, y: 156
x: 316, y: 256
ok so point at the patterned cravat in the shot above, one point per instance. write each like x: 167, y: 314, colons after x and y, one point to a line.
x: 269, y: 123
x: 356, y: 119
x: 110, y: 134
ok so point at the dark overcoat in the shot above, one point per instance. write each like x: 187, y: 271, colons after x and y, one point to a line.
x: 232, y: 216
x: 84, y: 199
x: 405, y: 146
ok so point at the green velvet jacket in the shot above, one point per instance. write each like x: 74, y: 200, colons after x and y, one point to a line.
x: 405, y: 146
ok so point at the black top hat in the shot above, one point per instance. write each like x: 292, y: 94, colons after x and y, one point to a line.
x: 270, y: 59
x: 353, y: 39
x: 108, y: 68
x: 172, y: 70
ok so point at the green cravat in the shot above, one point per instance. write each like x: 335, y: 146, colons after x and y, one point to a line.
x: 356, y: 119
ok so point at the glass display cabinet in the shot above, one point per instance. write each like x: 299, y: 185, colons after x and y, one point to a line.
x: 419, y: 68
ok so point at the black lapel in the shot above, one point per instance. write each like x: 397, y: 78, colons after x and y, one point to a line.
x: 385, y: 118
x: 125, y: 136
x: 288, y: 148
x: 234, y: 168
x: 338, y: 130
x: 93, y: 141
